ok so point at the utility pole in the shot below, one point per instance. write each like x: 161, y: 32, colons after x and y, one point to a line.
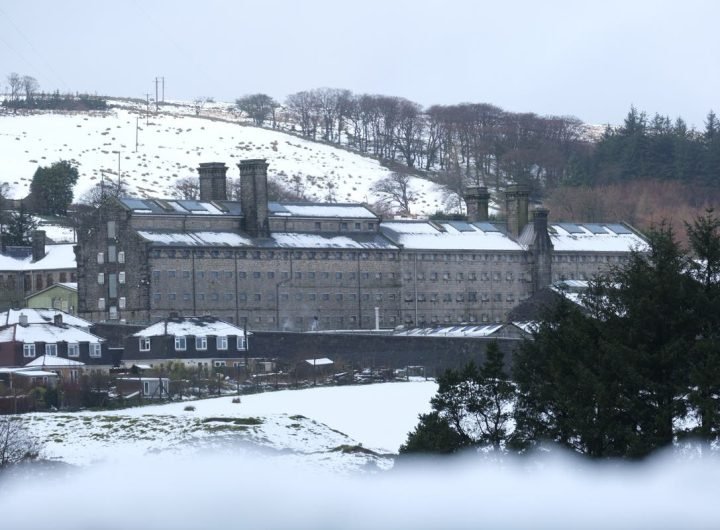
x: 137, y: 131
x: 156, y: 95
x: 147, y: 109
x: 163, y: 89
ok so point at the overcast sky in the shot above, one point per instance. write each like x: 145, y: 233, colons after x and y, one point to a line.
x: 588, y: 59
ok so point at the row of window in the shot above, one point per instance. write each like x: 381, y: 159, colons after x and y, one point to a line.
x: 470, y: 296
x: 201, y: 343
x: 51, y: 350
x: 465, y: 257
x: 495, y: 276
x: 257, y: 275
x: 122, y: 303
x: 120, y: 278
x: 112, y: 255
x: 272, y: 254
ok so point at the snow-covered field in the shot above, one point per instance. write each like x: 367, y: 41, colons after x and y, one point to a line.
x: 171, y: 145
x: 271, y: 461
x: 298, y: 425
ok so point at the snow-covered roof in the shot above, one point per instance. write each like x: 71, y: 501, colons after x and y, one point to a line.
x: 51, y: 361
x: 56, y: 257
x: 193, y: 326
x: 449, y: 235
x: 41, y: 316
x: 279, y: 240
x: 594, y: 237
x: 319, y: 362
x: 180, y: 207
x: 46, y: 333
x: 462, y: 330
x: 354, y: 211
x: 34, y: 373
x: 196, y: 239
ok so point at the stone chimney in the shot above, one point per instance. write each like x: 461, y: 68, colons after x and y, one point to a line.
x: 213, y: 181
x: 38, y: 245
x: 254, y: 197
x: 541, y: 249
x: 516, y: 208
x: 57, y: 319
x: 23, y: 319
x: 477, y: 199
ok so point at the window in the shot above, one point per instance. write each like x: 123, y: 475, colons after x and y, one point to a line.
x: 144, y: 343
x: 95, y: 350
x: 28, y: 350
x: 221, y: 343
x: 338, y: 275
x: 201, y: 343
x: 112, y: 285
x: 218, y: 364
x: 113, y: 313
x: 121, y: 256
x: 101, y: 303
x: 343, y: 226
x: 241, y: 343
x: 358, y: 226
x: 101, y: 278
x: 122, y: 302
x: 51, y: 350
x: 100, y: 258
x: 170, y: 274
x: 318, y: 225
x: 112, y: 253
x: 73, y: 349
x: 111, y: 229
x: 121, y: 277
x: 180, y: 343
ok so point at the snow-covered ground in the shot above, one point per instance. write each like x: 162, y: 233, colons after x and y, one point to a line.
x: 272, y: 461
x: 300, y: 425
x: 171, y: 145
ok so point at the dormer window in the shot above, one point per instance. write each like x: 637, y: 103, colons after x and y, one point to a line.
x: 180, y: 343
x: 51, y: 350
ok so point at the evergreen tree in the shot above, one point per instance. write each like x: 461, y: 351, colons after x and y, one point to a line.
x: 472, y: 408
x: 704, y: 356
x: 19, y: 228
x: 51, y: 189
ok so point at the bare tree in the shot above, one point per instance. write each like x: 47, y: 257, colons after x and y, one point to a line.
x: 394, y: 190
x: 200, y: 102
x: 15, y: 82
x: 30, y: 86
x: 187, y: 188
x: 259, y: 107
x: 16, y: 443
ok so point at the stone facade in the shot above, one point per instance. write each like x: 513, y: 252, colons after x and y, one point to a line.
x: 299, y: 267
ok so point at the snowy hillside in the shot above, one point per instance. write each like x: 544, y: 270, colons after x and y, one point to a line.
x: 172, y: 143
x: 310, y: 426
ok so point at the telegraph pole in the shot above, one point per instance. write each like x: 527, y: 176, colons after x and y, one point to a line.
x: 156, y: 95
x: 147, y: 109
x: 163, y: 88
x: 137, y: 131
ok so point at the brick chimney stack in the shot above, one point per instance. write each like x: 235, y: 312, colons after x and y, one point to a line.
x: 38, y: 245
x: 477, y: 199
x: 254, y: 197
x: 516, y: 208
x: 213, y: 181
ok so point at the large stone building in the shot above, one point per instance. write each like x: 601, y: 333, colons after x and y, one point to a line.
x: 292, y: 266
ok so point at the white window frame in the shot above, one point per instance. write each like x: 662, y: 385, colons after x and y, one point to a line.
x: 201, y: 343
x: 95, y: 349
x: 101, y: 278
x: 121, y: 277
x: 73, y: 349
x: 121, y: 256
x: 122, y: 302
x: 51, y: 349
x: 180, y: 343
x: 29, y: 350
x: 221, y: 342
x: 101, y: 303
x: 100, y: 258
x: 241, y: 342
x: 144, y: 344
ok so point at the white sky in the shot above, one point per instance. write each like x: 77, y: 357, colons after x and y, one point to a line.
x: 588, y: 59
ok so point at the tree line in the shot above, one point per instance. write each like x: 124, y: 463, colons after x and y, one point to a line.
x: 634, y: 370
x: 654, y: 148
